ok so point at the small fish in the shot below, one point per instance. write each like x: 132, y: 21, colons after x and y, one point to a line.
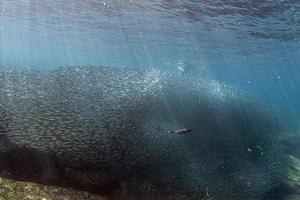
x: 181, y: 68
x: 182, y: 131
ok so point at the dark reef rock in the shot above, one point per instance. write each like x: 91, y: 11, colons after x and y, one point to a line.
x: 16, y: 190
x: 107, y: 131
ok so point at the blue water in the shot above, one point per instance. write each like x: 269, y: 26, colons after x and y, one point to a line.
x: 254, y: 45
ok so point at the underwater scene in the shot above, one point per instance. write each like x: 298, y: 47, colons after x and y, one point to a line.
x: 149, y: 100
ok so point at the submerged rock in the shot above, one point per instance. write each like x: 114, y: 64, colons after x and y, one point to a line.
x: 289, y: 143
x: 16, y: 190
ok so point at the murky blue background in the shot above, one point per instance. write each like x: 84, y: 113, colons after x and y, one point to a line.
x: 254, y: 45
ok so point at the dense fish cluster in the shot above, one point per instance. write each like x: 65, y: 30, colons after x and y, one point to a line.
x: 116, y: 127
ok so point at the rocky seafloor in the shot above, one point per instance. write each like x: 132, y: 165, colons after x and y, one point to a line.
x: 17, y: 190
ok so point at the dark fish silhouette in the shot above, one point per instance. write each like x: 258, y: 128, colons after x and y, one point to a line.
x: 182, y: 131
